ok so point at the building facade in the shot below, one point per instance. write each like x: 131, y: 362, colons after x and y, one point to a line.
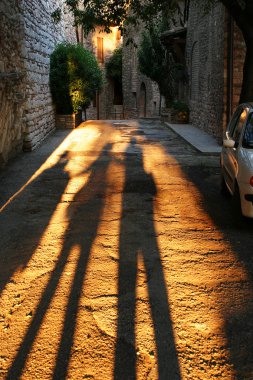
x: 141, y: 95
x: 215, y: 54
x: 26, y: 109
x: 106, y: 104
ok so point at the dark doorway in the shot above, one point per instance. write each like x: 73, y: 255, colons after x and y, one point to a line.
x: 118, y: 93
x: 143, y: 101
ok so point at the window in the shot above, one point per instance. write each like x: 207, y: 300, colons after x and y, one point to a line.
x: 237, y: 128
x: 118, y: 36
x: 248, y: 134
x: 100, y: 49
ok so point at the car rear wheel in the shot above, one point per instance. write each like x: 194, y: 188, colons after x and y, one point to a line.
x: 236, y: 201
x: 224, y: 189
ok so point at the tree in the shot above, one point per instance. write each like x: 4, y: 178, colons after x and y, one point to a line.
x: 90, y: 13
x: 113, y: 69
x: 155, y: 62
x: 113, y: 66
x: 75, y: 77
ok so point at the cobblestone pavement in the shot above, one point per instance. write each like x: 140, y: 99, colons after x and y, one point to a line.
x: 119, y: 259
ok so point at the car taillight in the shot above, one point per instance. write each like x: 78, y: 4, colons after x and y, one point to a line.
x: 251, y: 181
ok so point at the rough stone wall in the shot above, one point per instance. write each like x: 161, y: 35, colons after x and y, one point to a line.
x: 137, y: 86
x: 40, y: 39
x: 12, y: 80
x: 27, y: 38
x: 205, y: 63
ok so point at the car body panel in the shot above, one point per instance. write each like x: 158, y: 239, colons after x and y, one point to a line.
x: 237, y: 156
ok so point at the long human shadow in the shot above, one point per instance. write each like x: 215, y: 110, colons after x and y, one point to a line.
x: 237, y: 231
x: 84, y: 217
x: 138, y: 237
x: 17, y: 245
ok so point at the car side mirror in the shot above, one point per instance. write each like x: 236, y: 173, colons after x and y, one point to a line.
x: 229, y: 143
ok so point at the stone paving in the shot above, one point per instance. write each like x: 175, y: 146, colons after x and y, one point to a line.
x: 119, y: 259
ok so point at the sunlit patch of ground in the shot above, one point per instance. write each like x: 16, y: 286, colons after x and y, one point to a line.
x: 127, y: 262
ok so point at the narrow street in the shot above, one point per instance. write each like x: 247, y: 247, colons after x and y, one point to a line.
x: 120, y: 259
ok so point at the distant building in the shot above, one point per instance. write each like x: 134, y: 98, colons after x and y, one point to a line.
x: 108, y: 104
x: 138, y: 96
x: 141, y: 95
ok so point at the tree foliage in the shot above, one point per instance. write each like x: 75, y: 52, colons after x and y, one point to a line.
x: 75, y: 76
x: 156, y: 63
x: 113, y: 66
x: 106, y: 13
x: 90, y: 13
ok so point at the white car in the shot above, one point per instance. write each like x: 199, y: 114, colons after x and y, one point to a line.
x: 237, y: 158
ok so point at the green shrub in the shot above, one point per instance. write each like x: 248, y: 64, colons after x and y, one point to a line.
x: 113, y: 66
x: 180, y: 106
x: 75, y: 77
x: 155, y: 63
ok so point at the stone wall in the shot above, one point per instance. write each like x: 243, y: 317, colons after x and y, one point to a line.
x: 40, y: 39
x: 27, y: 38
x: 12, y: 80
x: 141, y: 95
x: 205, y: 64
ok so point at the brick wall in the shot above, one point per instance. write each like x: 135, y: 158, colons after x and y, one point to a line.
x: 238, y: 63
x: 234, y: 56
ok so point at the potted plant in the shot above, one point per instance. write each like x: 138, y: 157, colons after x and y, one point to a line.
x: 181, y: 110
x: 75, y: 77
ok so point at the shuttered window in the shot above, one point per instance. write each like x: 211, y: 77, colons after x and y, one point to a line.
x: 100, y: 49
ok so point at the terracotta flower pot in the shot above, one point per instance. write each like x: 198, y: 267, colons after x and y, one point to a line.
x: 68, y: 121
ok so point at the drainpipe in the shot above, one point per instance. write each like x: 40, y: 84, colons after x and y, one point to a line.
x: 230, y: 67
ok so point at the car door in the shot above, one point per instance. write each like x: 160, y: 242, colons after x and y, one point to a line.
x: 234, y: 132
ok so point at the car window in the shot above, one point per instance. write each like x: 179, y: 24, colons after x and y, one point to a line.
x: 239, y: 125
x: 248, y: 133
x: 233, y: 122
